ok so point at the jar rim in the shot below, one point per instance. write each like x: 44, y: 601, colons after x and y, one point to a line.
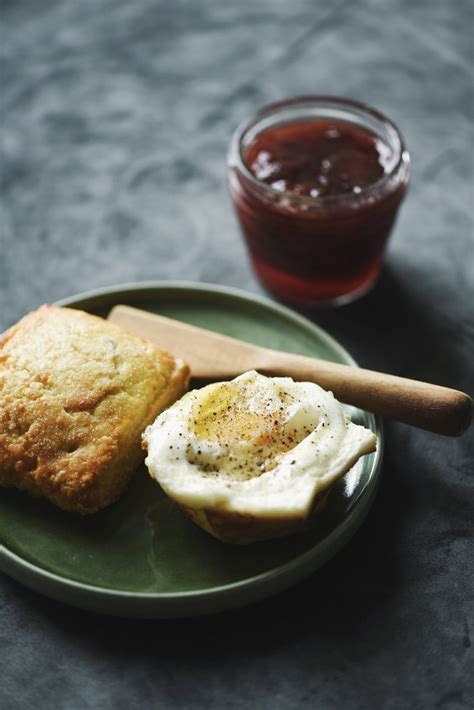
x: 357, y: 108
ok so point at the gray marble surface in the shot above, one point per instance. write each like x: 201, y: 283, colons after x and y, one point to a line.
x: 115, y: 118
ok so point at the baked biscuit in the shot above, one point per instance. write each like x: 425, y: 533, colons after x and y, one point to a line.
x: 76, y: 393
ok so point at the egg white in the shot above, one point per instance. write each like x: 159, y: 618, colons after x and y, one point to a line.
x: 204, y: 473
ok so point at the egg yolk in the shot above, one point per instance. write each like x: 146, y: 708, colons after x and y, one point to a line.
x: 251, y: 438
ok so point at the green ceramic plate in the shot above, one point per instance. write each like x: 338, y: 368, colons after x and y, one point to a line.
x: 141, y: 557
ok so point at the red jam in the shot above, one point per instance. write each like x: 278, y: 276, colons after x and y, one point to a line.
x: 316, y: 203
x: 317, y: 158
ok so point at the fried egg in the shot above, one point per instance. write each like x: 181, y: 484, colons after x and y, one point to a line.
x: 252, y: 449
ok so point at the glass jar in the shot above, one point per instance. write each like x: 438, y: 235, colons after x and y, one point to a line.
x: 316, y: 183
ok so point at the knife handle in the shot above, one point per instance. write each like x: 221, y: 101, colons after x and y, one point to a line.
x: 431, y: 407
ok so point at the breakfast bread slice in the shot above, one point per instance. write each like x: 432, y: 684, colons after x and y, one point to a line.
x: 76, y: 393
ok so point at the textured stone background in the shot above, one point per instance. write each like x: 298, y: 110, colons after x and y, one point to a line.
x: 115, y: 118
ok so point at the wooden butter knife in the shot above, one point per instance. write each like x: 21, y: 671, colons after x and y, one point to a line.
x: 213, y: 356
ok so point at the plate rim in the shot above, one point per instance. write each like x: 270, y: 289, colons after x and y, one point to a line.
x: 291, y: 571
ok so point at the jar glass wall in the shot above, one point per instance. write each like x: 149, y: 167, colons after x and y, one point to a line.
x: 316, y: 184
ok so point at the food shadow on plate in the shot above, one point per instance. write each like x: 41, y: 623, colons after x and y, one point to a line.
x: 144, y: 543
x: 353, y: 589
x: 183, y: 557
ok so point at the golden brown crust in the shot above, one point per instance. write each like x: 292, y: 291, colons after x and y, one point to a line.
x: 76, y: 392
